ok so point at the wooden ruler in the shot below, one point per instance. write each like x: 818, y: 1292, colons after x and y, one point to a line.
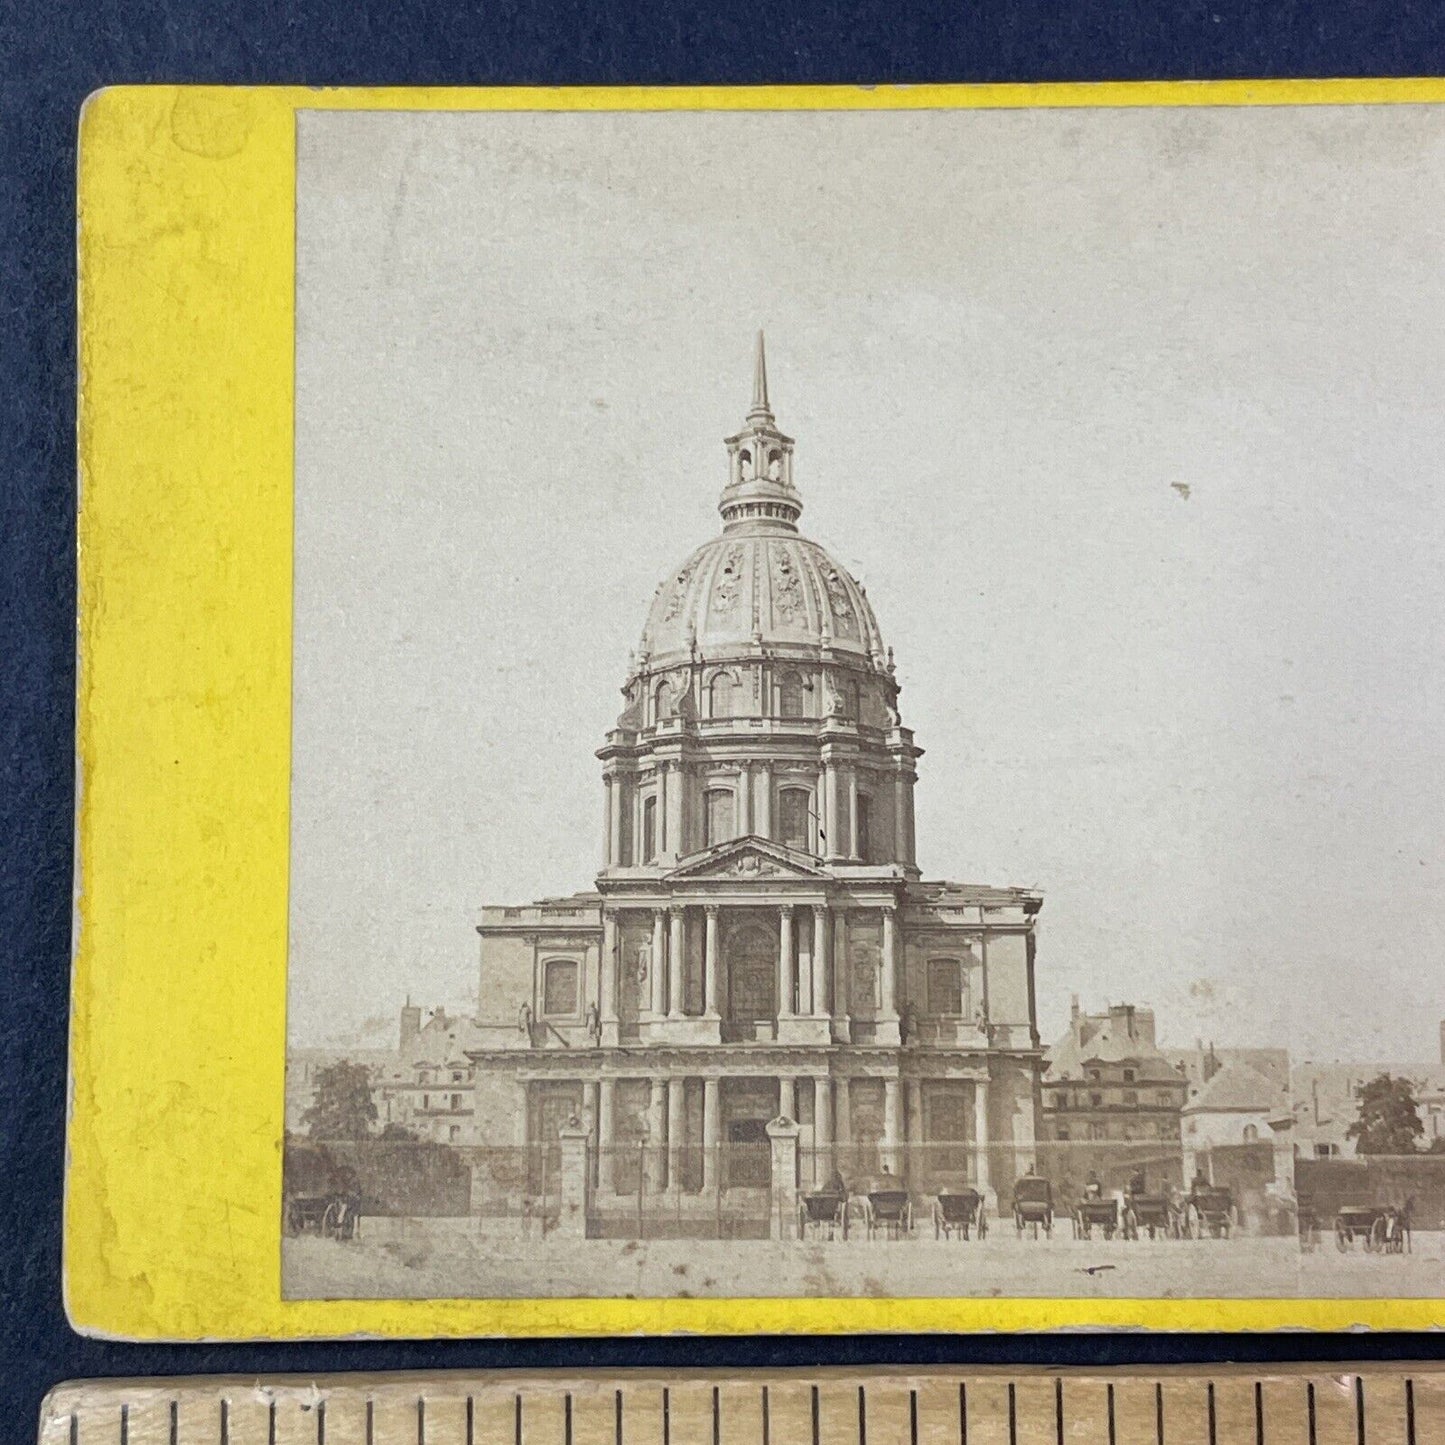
x: 1230, y: 1405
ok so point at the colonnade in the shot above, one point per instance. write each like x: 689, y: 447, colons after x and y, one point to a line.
x: 839, y: 788
x: 666, y: 1131
x: 819, y: 991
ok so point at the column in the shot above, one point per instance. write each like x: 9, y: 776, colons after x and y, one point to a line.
x: 832, y: 811
x: 900, y: 817
x: 675, y: 1129
x: 606, y: 1133
x: 656, y: 1124
x: 711, y: 1134
x: 609, y: 824
x: 785, y: 961
x: 788, y: 1099
x: 710, y: 963
x: 822, y: 1129
x: 745, y: 799
x: 842, y: 982
x: 764, y: 825
x: 822, y: 936
x: 607, y: 978
x: 664, y: 807
x: 676, y: 957
x: 594, y: 1120
x: 853, y: 815
x: 913, y: 1159
x: 675, y: 842
x: 843, y: 1125
x: 659, y: 961
x: 891, y: 1130
x: 889, y: 1002
x: 980, y: 1134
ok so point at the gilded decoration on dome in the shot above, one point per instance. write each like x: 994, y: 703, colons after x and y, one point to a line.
x: 788, y: 591
x: 843, y: 613
x: 679, y: 592
x: 729, y: 580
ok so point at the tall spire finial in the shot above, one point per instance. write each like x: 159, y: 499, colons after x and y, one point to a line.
x: 760, y: 383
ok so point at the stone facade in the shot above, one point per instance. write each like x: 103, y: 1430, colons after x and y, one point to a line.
x: 760, y: 943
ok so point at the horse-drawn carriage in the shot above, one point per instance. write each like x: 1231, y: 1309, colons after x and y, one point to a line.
x: 321, y: 1196
x: 1212, y: 1213
x: 1160, y: 1214
x: 958, y: 1211
x: 1034, y: 1206
x: 1381, y: 1228
x: 1095, y: 1211
x: 823, y: 1214
x: 889, y: 1208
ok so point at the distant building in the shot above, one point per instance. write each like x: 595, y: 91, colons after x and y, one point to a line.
x: 426, y: 1083
x: 1107, y: 1080
x: 1326, y: 1102
x: 1201, y: 1063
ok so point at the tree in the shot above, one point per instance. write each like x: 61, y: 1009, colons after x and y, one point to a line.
x: 342, y: 1107
x: 1389, y: 1120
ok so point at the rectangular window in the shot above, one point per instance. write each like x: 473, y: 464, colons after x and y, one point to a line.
x: 649, y: 829
x: 456, y: 1101
x: 455, y: 1133
x: 1131, y: 1096
x: 945, y: 987
x: 718, y: 824
x: 1097, y: 1100
x: 1128, y: 1076
x: 864, y: 847
x: 559, y: 987
x: 793, y: 812
x: 426, y: 1101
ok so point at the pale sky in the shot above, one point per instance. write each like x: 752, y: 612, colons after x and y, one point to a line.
x: 1131, y: 422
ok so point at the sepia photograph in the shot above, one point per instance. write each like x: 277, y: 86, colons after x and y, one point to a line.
x: 866, y: 705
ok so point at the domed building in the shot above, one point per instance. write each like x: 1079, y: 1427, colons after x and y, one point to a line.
x: 760, y: 947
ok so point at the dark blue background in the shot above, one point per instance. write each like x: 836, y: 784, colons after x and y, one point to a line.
x: 52, y: 52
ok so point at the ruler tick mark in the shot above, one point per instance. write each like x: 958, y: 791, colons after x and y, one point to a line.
x: 1158, y: 1414
x: 1059, y: 1410
x: 517, y: 1418
x: 617, y: 1416
x: 863, y: 1418
x: 815, y: 1415
x: 666, y: 1417
x: 1310, y: 1397
x: 1409, y: 1412
x: 1109, y: 1397
x: 1013, y: 1419
x: 567, y: 1418
x: 766, y: 1422
x: 74, y: 1428
x: 962, y: 1412
x: 471, y: 1419
x: 320, y: 1423
x: 1258, y: 1412
x: 912, y: 1418
x: 125, y: 1425
x: 420, y: 1421
x: 271, y: 1422
x: 1209, y: 1399
x: 1360, y: 1409
x: 370, y: 1421
x: 716, y: 1416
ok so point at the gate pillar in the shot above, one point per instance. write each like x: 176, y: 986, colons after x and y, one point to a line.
x: 574, y: 1137
x: 783, y: 1211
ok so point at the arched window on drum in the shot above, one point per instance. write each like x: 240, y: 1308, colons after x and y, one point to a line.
x: 661, y: 701
x: 791, y: 701
x: 720, y: 696
x: 794, y: 807
x: 719, y: 816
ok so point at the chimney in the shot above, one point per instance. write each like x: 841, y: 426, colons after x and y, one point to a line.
x: 1074, y: 1018
x: 410, y: 1024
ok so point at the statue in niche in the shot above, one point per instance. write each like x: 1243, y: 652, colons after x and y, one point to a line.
x: 775, y: 468
x: 643, y: 965
x: 745, y: 465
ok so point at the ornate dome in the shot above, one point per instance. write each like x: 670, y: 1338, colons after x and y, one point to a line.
x: 760, y: 583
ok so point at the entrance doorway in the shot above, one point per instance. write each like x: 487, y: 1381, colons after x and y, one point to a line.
x: 752, y: 967
x: 749, y: 1155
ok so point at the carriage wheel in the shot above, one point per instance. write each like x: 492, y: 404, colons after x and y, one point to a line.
x: 331, y: 1220
x: 1342, y: 1235
x: 1375, y: 1242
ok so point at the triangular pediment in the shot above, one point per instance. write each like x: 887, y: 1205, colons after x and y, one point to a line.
x: 748, y: 859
